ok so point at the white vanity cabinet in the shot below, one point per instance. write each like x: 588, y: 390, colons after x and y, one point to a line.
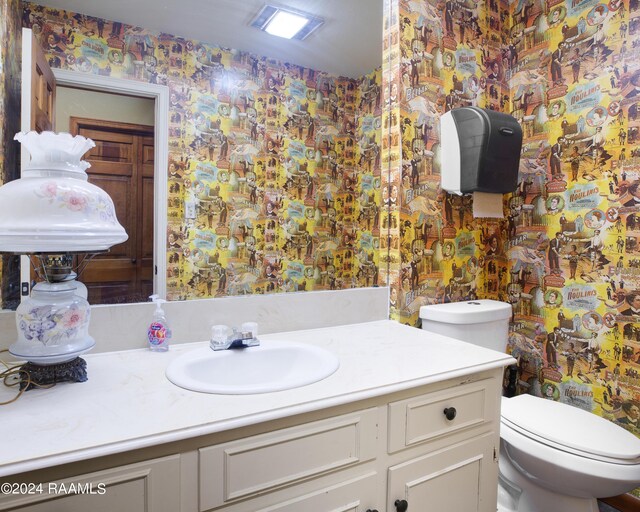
x: 358, y: 457
x: 453, y: 434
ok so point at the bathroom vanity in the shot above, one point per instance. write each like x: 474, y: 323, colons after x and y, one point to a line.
x: 407, y: 416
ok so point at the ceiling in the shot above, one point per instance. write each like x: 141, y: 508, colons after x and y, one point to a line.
x: 348, y: 44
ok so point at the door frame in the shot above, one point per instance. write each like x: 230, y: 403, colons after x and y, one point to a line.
x: 160, y: 94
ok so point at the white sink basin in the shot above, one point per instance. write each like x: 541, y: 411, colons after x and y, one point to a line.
x: 272, y: 366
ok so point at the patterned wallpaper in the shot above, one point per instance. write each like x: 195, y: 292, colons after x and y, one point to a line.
x: 10, y: 27
x: 274, y: 173
x: 567, y: 253
x: 439, y: 56
x: 573, y: 250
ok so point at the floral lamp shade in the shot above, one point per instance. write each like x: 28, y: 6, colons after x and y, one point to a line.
x: 52, y: 207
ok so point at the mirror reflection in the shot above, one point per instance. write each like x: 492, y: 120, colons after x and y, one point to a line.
x: 274, y: 168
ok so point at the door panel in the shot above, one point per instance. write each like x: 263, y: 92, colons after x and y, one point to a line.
x: 122, y: 165
x: 43, y: 90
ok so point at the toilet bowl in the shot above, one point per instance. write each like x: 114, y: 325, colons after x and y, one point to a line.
x: 553, y: 457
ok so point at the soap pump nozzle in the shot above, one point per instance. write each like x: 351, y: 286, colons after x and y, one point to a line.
x: 158, y: 302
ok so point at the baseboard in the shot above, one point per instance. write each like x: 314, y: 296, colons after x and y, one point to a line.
x: 624, y: 502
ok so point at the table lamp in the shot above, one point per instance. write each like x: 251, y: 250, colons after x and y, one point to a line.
x: 51, y: 214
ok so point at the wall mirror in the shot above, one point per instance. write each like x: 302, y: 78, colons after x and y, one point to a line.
x: 265, y: 175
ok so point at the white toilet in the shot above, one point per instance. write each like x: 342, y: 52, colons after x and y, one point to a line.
x: 553, y: 457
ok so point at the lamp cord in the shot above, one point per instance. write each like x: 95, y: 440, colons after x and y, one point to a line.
x: 15, y: 375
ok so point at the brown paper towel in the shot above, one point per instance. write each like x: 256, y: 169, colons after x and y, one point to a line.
x: 487, y: 205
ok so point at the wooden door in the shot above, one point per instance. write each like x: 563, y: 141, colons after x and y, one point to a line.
x: 122, y: 164
x: 43, y: 85
x: 39, y: 84
x: 37, y: 113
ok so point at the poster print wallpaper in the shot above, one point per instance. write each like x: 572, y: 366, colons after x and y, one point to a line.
x: 567, y: 254
x: 439, y: 56
x: 274, y: 173
x: 574, y: 273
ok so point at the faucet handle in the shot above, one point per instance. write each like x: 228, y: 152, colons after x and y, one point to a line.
x: 251, y: 327
x: 219, y: 335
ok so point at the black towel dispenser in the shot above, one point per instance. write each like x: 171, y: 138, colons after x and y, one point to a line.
x: 480, y: 151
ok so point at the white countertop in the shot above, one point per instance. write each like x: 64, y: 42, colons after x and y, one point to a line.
x: 128, y: 403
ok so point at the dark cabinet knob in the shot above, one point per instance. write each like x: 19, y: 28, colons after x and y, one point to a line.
x: 401, y: 505
x: 370, y: 510
x: 450, y: 413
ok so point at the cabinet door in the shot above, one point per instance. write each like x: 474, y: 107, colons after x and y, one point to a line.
x: 462, y: 478
x: 150, y: 486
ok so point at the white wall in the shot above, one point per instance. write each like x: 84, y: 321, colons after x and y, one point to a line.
x: 100, y: 105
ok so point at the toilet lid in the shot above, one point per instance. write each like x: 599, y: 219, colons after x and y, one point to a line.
x: 570, y: 428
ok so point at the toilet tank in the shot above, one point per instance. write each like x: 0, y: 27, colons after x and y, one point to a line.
x: 480, y: 322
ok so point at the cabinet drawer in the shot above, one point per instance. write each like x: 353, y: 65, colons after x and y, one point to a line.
x: 255, y: 465
x: 420, y: 419
x: 354, y: 495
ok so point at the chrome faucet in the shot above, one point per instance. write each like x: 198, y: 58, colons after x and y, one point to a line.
x: 222, y: 339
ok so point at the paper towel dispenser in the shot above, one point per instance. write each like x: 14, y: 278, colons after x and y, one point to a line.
x: 480, y: 151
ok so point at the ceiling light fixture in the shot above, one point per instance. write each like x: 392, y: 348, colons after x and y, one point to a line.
x: 286, y: 22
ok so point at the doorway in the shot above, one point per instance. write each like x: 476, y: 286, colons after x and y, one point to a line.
x: 122, y: 164
x: 159, y: 95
